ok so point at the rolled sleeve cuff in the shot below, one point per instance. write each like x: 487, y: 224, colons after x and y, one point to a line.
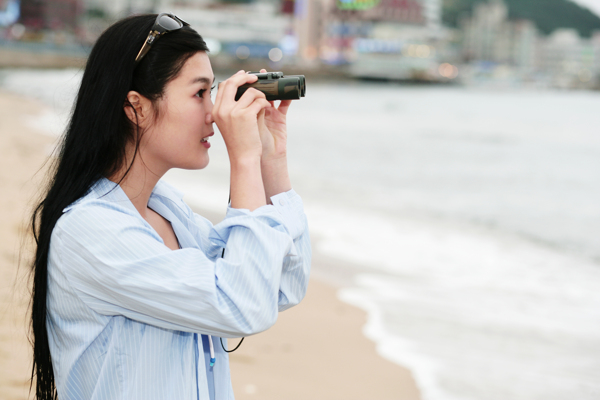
x: 288, y: 205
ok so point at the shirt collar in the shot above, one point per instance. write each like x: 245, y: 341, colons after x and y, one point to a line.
x: 105, y: 189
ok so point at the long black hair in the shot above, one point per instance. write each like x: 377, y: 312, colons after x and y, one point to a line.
x: 94, y: 146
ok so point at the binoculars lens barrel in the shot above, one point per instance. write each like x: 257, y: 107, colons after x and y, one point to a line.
x: 276, y: 86
x: 302, y: 80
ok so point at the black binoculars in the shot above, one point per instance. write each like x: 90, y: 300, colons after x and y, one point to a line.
x: 276, y: 86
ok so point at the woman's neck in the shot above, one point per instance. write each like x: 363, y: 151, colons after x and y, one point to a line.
x: 138, y: 185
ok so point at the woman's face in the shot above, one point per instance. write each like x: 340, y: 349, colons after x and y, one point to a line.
x: 179, y: 136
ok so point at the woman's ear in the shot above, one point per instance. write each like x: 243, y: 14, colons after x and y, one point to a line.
x: 138, y: 108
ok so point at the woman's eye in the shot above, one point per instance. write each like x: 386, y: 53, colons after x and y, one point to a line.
x: 202, y: 91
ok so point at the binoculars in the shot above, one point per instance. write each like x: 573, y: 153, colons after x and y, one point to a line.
x: 276, y: 86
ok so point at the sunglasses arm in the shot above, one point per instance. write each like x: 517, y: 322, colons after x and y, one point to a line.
x: 152, y: 36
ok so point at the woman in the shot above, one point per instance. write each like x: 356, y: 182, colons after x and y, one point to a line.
x: 132, y: 290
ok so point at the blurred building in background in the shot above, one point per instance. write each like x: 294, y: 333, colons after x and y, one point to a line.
x: 10, y: 12
x: 380, y: 39
x: 495, y: 47
x: 121, y: 8
x: 569, y: 59
x: 375, y: 38
x: 240, y: 32
x: 51, y: 15
x: 489, y: 35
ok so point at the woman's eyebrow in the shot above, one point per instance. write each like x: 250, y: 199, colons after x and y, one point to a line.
x: 202, y: 79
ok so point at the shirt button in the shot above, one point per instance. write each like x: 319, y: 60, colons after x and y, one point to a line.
x: 282, y: 202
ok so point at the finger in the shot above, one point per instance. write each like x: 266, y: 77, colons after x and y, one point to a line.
x: 258, y: 105
x: 284, y: 106
x: 237, y: 80
x: 261, y: 117
x: 263, y: 70
x: 218, y: 97
x: 249, y: 97
x: 221, y: 89
x: 263, y: 131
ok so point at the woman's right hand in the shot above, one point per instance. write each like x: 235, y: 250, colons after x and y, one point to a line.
x: 238, y: 120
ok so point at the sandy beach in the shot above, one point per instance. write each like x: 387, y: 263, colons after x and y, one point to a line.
x: 315, y: 351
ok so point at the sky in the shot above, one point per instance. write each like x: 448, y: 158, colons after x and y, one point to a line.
x: 593, y: 5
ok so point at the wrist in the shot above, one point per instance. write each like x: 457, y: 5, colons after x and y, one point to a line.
x: 247, y: 188
x: 273, y: 159
x: 245, y: 161
x: 275, y: 176
x: 274, y: 151
x: 245, y: 167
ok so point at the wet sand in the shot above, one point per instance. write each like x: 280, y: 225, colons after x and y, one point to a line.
x: 315, y: 351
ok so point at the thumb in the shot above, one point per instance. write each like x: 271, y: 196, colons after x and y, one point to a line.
x: 262, y: 126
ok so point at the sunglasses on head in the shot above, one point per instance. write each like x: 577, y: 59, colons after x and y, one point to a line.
x: 164, y: 23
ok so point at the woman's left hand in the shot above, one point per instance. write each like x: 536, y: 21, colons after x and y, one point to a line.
x: 273, y: 130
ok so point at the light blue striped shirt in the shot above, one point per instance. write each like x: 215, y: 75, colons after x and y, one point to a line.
x: 125, y: 313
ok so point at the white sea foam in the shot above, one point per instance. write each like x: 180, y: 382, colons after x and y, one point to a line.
x: 474, y: 215
x: 474, y: 317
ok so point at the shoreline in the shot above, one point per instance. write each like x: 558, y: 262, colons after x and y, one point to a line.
x: 316, y: 350
x: 293, y: 359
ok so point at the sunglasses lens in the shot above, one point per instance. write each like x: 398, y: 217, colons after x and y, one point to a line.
x: 164, y: 23
x: 169, y: 23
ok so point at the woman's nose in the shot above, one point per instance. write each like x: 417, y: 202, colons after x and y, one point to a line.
x: 209, y: 118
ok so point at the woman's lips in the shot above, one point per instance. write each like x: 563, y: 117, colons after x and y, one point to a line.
x: 205, y: 142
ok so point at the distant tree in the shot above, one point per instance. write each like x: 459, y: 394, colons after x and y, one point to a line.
x: 548, y: 15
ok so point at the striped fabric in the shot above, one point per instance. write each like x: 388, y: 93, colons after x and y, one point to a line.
x: 126, y: 313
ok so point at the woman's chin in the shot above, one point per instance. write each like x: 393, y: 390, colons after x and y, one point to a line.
x: 196, y: 164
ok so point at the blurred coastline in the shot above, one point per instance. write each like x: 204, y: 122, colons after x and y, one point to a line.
x: 18, y: 55
x: 500, y: 43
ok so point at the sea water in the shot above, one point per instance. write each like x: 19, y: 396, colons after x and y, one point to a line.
x: 472, y: 216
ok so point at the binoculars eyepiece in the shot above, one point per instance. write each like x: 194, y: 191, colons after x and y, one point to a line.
x: 276, y: 86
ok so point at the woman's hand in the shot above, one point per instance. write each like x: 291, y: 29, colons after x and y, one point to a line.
x: 273, y: 136
x: 273, y: 130
x: 238, y: 123
x: 238, y: 120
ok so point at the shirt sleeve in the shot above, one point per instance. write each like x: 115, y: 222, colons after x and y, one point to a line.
x: 297, y: 262
x: 119, y: 265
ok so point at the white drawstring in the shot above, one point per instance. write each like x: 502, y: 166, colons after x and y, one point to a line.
x: 212, y: 350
